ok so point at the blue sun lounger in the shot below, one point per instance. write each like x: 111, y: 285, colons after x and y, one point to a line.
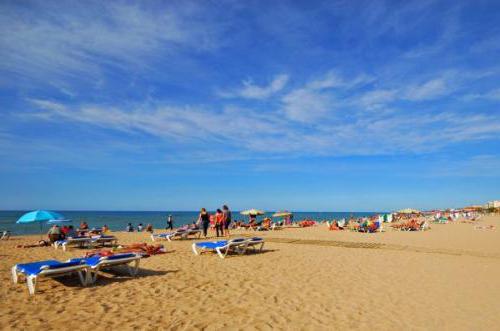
x: 80, y: 242
x: 168, y: 235
x: 183, y: 234
x: 255, y: 241
x: 222, y: 248
x: 104, y: 239
x: 48, y: 268
x: 96, y: 263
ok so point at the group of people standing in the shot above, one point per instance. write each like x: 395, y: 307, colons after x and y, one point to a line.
x: 221, y: 221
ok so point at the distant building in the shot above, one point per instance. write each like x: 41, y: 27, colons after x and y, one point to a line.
x: 493, y: 204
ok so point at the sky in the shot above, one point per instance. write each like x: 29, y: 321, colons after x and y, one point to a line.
x: 298, y: 105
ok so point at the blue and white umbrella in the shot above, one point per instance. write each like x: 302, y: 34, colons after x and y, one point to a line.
x: 39, y: 216
x: 59, y: 221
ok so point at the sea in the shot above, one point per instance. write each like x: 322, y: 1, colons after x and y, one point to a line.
x: 118, y: 220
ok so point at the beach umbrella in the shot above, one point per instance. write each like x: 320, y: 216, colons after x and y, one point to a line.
x: 282, y: 214
x: 39, y: 216
x: 59, y: 221
x: 253, y: 212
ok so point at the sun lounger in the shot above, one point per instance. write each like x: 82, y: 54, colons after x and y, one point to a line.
x: 183, y: 234
x: 48, y: 268
x: 192, y: 232
x: 161, y: 236
x: 168, y: 236
x: 276, y: 226
x: 5, y: 235
x: 73, y: 241
x: 255, y: 241
x: 96, y: 263
x: 238, y: 245
x: 103, y: 240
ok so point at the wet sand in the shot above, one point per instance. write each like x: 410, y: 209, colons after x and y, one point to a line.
x: 306, y: 279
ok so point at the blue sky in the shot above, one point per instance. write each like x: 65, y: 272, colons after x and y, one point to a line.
x: 303, y: 105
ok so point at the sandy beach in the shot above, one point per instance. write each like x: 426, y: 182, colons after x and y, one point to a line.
x: 446, y: 278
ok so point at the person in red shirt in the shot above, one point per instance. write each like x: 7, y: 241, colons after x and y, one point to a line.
x: 65, y: 230
x: 219, y: 222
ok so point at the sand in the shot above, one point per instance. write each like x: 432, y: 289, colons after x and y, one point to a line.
x: 446, y: 278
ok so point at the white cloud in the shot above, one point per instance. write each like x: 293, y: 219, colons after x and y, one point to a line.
x: 315, y: 99
x: 305, y: 105
x: 84, y: 38
x: 333, y: 80
x: 252, y: 91
x: 270, y: 134
x: 377, y: 98
x: 491, y: 95
x: 428, y: 90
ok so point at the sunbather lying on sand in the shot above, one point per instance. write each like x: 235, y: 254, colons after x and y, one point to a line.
x: 140, y: 248
x: 41, y: 243
x: 334, y: 226
x: 412, y: 225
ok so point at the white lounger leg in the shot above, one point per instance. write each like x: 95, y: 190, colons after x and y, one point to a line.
x: 31, y: 281
x: 218, y: 250
x: 14, y: 274
x: 89, y: 278
x: 83, y: 280
x: 133, y: 270
x: 194, y: 249
x: 94, y: 275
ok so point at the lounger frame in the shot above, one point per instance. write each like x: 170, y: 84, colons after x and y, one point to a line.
x: 47, y: 272
x: 107, y: 262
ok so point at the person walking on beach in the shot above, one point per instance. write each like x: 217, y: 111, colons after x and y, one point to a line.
x: 227, y: 218
x: 204, y: 219
x: 219, y: 223
x: 170, y: 222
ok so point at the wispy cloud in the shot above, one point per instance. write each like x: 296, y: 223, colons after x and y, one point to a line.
x: 315, y: 99
x: 428, y: 90
x: 490, y: 95
x: 255, y: 132
x: 83, y: 40
x: 252, y: 91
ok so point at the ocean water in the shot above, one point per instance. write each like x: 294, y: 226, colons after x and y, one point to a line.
x: 118, y: 220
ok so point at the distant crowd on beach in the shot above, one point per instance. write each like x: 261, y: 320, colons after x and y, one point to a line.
x: 411, y: 221
x: 221, y: 222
